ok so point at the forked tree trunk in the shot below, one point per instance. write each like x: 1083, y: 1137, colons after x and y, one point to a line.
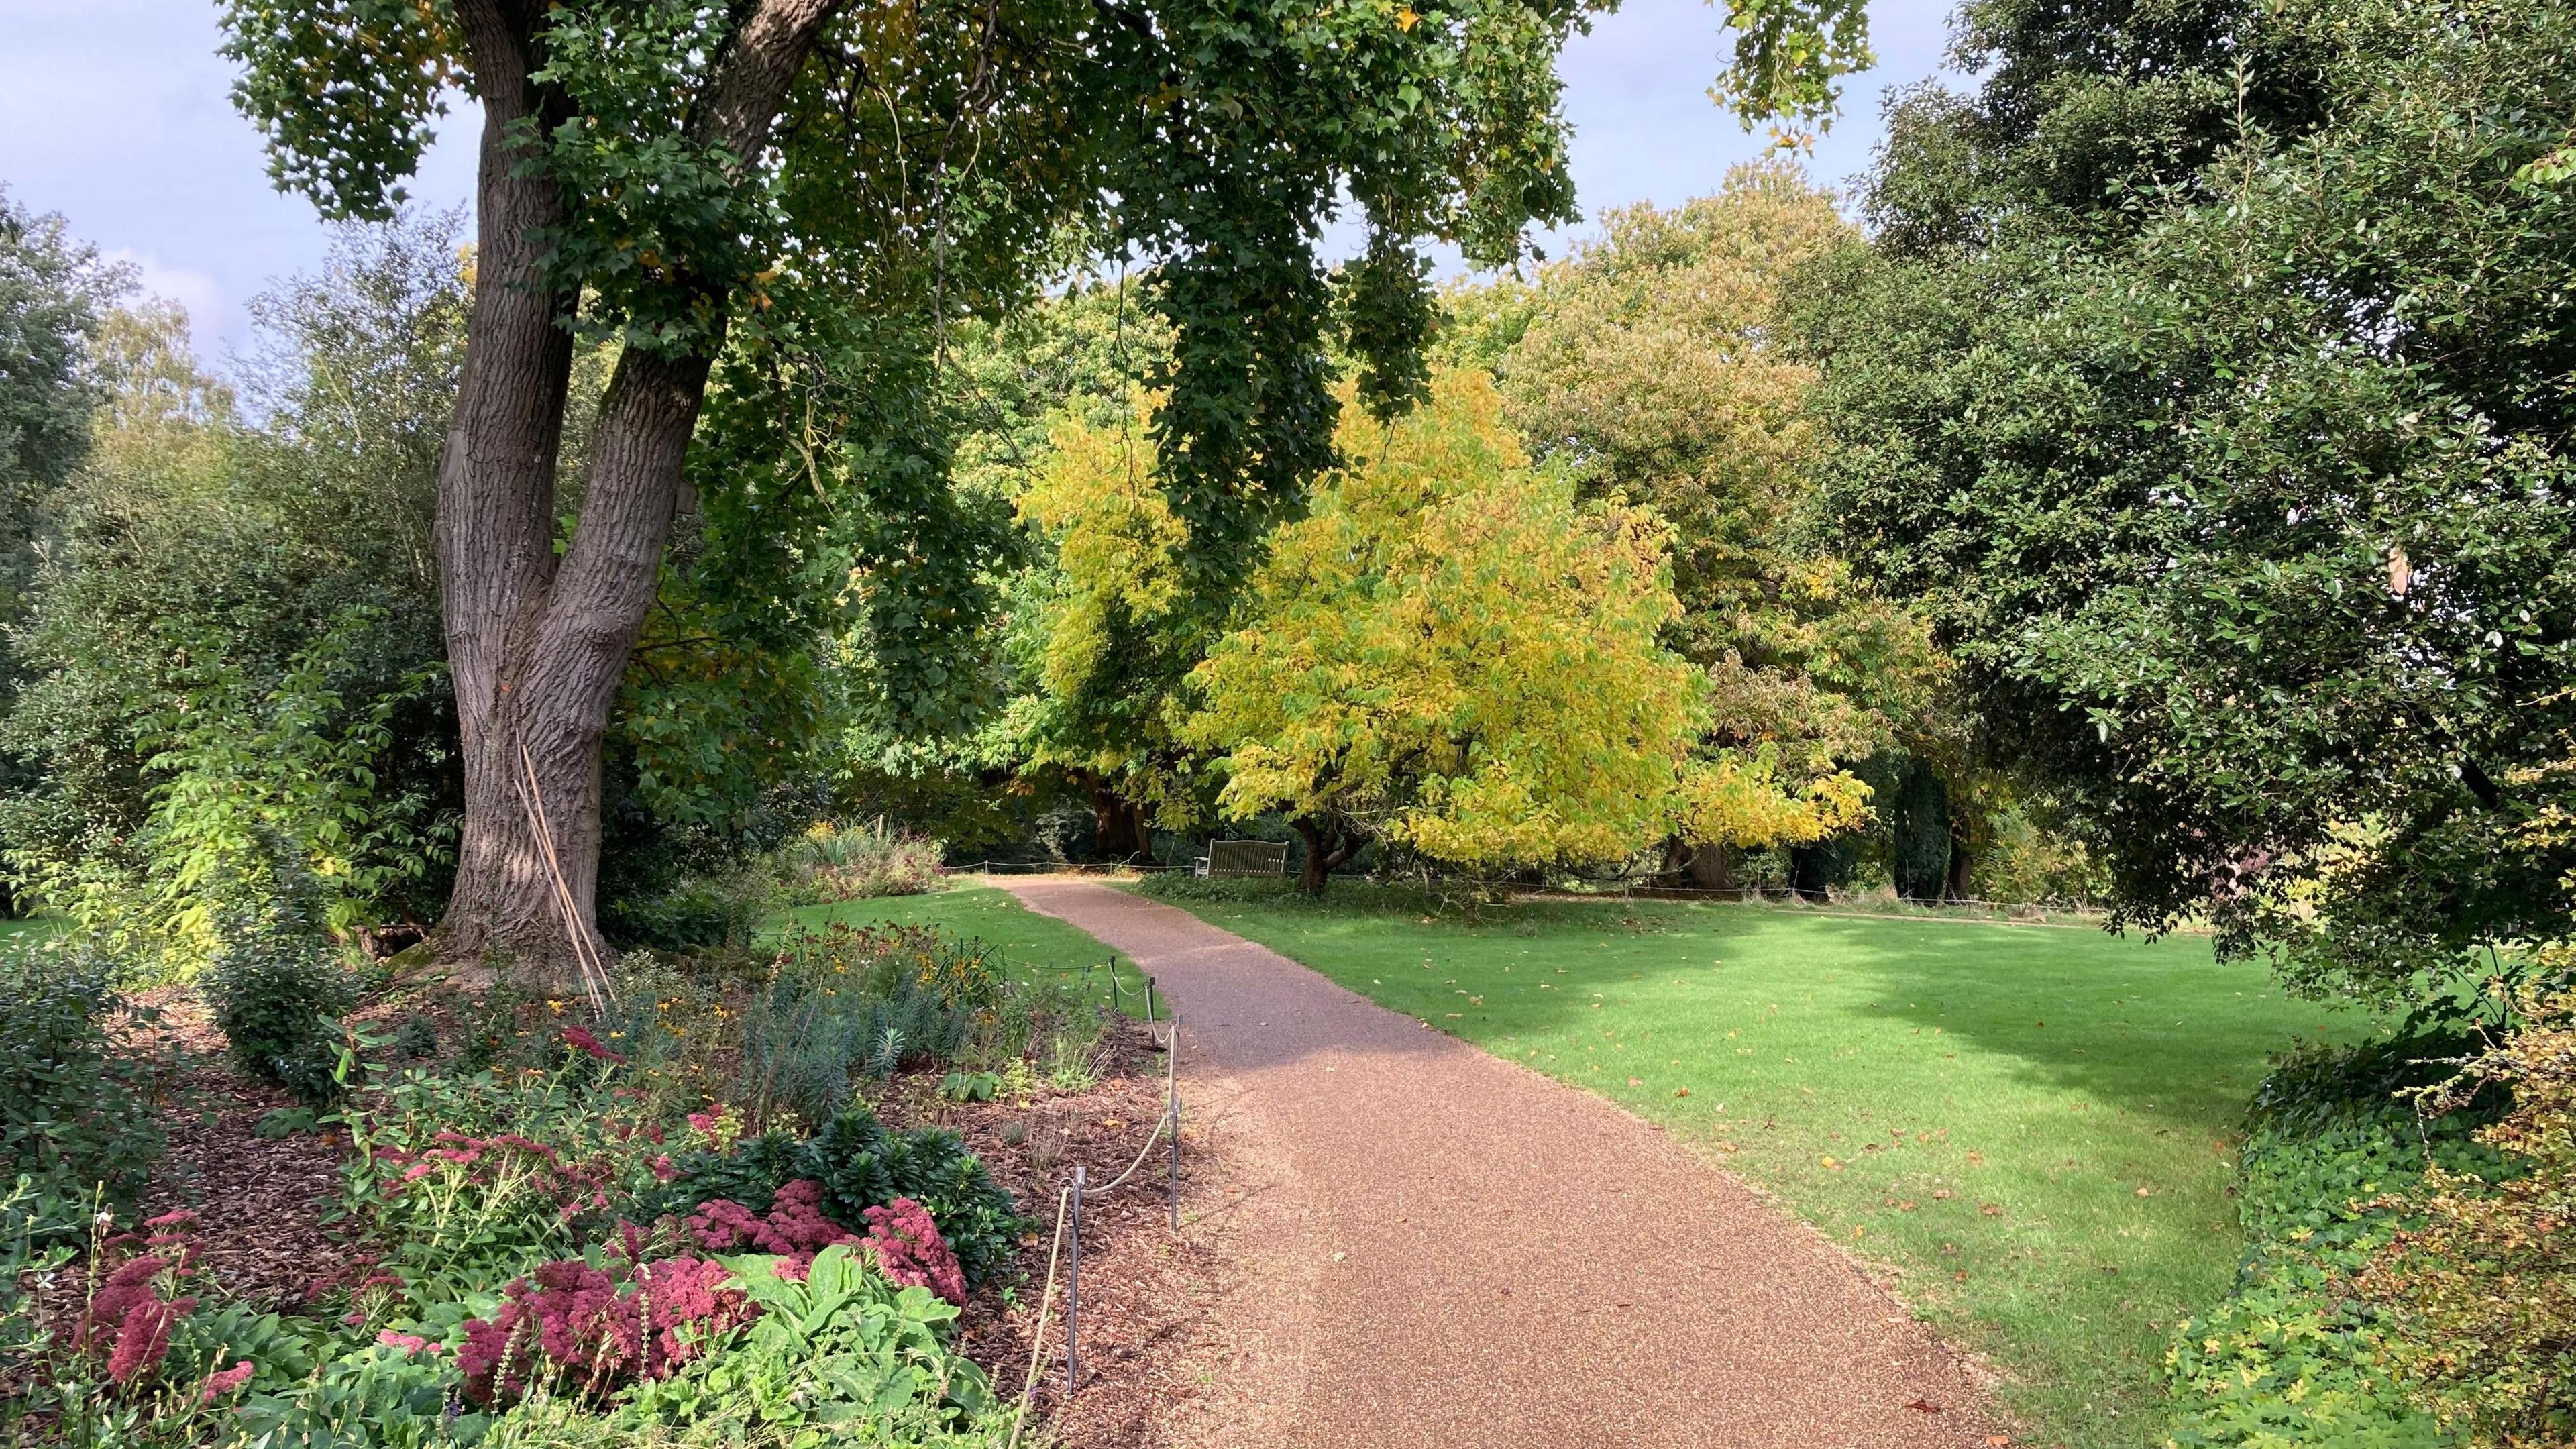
x: 496, y: 495
x: 1329, y: 846
x: 536, y: 644
x: 534, y: 709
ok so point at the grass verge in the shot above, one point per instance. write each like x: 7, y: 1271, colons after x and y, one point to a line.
x: 2033, y: 1127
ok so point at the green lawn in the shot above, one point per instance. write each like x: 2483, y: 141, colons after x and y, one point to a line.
x: 2033, y: 1125
x: 1032, y: 945
x: 28, y: 930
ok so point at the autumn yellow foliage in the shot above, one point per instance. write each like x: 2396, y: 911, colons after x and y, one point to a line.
x: 1452, y: 651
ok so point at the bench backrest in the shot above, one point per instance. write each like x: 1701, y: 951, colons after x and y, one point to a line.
x: 1247, y: 857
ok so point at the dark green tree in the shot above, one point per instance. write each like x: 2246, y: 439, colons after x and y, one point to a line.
x: 53, y: 291
x: 2209, y: 381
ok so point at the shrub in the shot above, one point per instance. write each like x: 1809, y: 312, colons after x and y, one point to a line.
x: 858, y: 1165
x: 835, y: 1349
x: 278, y: 989
x: 829, y: 863
x: 2481, y: 1294
x: 76, y: 1114
x: 2296, y: 1354
x: 472, y: 1180
x: 699, y: 913
x: 850, y: 1001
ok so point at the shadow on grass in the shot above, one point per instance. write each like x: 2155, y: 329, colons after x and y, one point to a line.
x: 2157, y: 1027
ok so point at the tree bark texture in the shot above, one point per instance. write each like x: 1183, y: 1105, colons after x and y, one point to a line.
x: 1710, y: 868
x: 537, y: 644
x: 1959, y: 882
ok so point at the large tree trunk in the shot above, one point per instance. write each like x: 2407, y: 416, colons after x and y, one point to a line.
x: 536, y: 646
x: 1709, y: 868
x: 532, y: 724
x: 1124, y: 832
x: 1329, y: 846
x: 496, y: 497
x: 1958, y: 881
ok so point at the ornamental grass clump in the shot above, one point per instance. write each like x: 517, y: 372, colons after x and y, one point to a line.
x: 850, y: 1002
x: 833, y: 863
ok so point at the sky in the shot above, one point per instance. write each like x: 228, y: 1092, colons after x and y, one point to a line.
x: 116, y: 113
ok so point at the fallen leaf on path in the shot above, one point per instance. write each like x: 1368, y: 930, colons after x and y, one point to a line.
x: 1924, y: 1406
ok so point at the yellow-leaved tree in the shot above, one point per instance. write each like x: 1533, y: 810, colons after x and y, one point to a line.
x: 1649, y: 363
x: 1453, y: 653
x: 1115, y: 630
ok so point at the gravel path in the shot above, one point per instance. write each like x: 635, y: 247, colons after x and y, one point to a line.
x: 1456, y: 1251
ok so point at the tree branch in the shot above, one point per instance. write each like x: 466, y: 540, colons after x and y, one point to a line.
x: 750, y: 80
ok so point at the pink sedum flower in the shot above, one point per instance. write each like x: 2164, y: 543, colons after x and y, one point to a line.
x: 224, y: 1381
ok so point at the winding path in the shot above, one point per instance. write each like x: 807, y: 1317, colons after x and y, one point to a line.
x: 1455, y: 1251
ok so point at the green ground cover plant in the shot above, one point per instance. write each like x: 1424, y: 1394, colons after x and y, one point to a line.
x: 79, y: 1123
x: 553, y: 1258
x: 2035, y: 1126
x: 2334, y: 1157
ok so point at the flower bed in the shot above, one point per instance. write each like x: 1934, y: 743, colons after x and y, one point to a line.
x: 547, y: 1232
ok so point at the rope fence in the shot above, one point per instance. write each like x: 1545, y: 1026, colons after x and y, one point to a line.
x: 1592, y: 888
x: 1065, y: 1250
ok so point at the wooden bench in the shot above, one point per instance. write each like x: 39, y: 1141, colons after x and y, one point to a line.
x: 1243, y: 857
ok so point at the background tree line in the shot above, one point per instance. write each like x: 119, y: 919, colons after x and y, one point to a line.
x: 2141, y: 505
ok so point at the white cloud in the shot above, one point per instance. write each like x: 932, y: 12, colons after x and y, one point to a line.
x: 209, y: 308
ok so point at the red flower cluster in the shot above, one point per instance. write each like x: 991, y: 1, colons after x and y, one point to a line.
x: 127, y: 1315
x: 593, y: 1333
x: 580, y: 1040
x: 574, y: 1186
x: 224, y: 1381
x: 911, y: 1251
x: 795, y: 1228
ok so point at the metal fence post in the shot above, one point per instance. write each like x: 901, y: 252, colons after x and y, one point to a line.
x: 1073, y: 1293
x: 1172, y: 1112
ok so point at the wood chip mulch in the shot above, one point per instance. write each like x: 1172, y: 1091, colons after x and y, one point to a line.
x: 1147, y: 1292
x: 259, y: 1201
